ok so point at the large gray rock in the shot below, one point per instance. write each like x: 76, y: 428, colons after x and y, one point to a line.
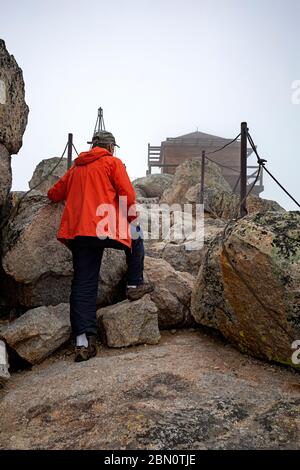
x: 248, y: 286
x: 5, y: 173
x: 187, y: 176
x: 13, y: 109
x: 39, y: 267
x: 38, y: 332
x: 55, y: 165
x: 152, y: 185
x: 129, y: 323
x: 187, y: 254
x: 172, y: 293
x: 155, y: 220
x: 225, y: 204
x: 30, y: 248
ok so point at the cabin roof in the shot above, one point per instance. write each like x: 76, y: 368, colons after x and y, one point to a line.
x: 197, y: 136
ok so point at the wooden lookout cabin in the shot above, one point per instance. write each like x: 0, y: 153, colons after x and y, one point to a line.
x: 175, y: 150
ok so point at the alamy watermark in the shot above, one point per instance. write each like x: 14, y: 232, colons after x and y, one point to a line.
x: 295, y: 98
x: 296, y: 353
x: 161, y: 222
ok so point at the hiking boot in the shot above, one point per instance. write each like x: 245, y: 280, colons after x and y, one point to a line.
x: 84, y: 354
x: 135, y: 293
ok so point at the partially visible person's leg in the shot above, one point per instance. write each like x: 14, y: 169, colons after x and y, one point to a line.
x: 134, y: 257
x: 136, y: 287
x: 135, y: 263
x: 86, y: 264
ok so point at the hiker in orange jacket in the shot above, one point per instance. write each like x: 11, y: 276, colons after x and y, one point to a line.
x: 99, y: 213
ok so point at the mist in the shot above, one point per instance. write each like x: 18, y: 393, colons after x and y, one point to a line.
x: 158, y: 69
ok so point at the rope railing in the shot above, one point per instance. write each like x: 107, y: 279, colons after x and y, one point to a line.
x: 263, y: 162
x: 221, y: 164
x: 224, y: 146
x: 75, y: 149
x: 219, y: 150
x: 246, y: 177
x: 16, y: 208
x: 205, y: 158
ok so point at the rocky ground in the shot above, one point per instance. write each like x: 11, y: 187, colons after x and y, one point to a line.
x: 191, y: 391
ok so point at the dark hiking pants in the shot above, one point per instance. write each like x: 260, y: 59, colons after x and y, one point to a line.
x: 87, y: 256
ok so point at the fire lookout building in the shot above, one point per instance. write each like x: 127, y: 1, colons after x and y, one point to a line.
x: 175, y: 150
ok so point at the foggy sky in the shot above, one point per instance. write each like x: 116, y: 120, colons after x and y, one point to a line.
x: 159, y: 69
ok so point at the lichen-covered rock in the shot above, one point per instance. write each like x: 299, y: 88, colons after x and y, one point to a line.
x: 188, y: 175
x: 172, y: 293
x: 147, y: 201
x: 152, y: 185
x: 248, y: 287
x: 55, y: 165
x: 129, y: 323
x: 219, y: 200
x: 13, y: 109
x: 225, y: 204
x: 39, y: 267
x: 5, y: 174
x: 177, y: 256
x: 38, y: 332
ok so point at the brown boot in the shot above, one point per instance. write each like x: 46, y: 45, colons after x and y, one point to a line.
x: 135, y: 293
x: 84, y: 354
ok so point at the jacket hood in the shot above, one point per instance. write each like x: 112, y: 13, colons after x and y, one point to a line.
x: 90, y: 156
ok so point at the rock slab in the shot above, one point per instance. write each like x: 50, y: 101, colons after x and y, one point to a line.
x: 41, y: 180
x: 152, y: 186
x: 187, y: 176
x: 129, y: 323
x: 38, y: 332
x: 190, y: 391
x: 172, y: 293
x: 13, y: 108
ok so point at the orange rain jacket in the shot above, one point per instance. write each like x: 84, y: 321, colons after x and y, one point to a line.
x: 95, y: 178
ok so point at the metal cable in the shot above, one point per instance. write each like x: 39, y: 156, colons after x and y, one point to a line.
x: 224, y: 146
x: 221, y: 165
x: 282, y: 187
x: 15, y: 210
x: 218, y: 150
x: 75, y: 149
x: 262, y: 162
x: 236, y: 184
x: 241, y: 203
